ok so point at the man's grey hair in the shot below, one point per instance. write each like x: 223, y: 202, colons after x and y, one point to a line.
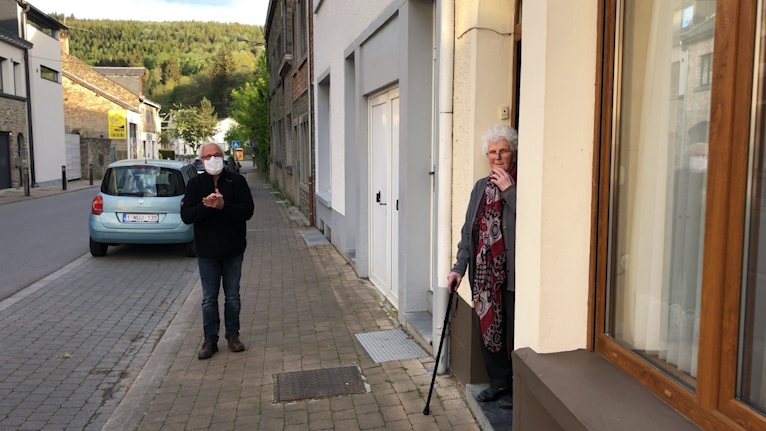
x: 199, y: 150
x: 497, y: 132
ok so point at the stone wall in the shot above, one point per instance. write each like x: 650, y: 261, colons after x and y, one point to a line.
x: 96, y: 151
x: 13, y: 121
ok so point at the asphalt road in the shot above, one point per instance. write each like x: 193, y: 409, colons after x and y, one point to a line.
x: 39, y: 236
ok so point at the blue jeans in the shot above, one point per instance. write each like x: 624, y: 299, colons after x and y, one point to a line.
x: 210, y: 273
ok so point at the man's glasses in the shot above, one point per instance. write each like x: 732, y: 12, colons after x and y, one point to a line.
x: 495, y: 154
x: 207, y: 157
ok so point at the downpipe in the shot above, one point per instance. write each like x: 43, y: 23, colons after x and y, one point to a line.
x: 446, y: 14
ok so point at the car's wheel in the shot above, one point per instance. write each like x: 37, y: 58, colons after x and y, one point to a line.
x: 97, y: 248
x: 189, y: 249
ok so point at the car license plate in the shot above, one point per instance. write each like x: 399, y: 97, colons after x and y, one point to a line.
x: 141, y: 218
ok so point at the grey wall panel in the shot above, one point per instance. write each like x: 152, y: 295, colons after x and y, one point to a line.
x: 416, y: 93
x: 381, y: 57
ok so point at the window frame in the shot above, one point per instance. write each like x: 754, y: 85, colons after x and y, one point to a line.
x: 713, y: 405
x: 56, y: 74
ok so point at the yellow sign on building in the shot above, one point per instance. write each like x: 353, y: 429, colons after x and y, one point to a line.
x: 117, y: 125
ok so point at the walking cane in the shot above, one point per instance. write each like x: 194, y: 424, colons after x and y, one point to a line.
x: 426, y: 411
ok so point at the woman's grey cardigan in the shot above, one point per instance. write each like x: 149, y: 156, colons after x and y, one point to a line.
x: 466, y: 249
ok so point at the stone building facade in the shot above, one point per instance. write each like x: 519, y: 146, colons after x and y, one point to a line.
x: 13, y: 123
x: 88, y: 98
x: 290, y: 54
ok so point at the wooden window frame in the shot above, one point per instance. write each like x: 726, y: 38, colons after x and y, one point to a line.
x: 713, y: 404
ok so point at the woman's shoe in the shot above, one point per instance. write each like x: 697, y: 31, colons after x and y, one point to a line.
x: 491, y: 394
x: 505, y: 402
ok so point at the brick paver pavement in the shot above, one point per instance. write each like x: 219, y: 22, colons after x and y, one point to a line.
x: 70, y: 349
x: 301, y: 307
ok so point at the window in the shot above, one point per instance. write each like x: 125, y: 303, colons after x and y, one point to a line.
x: 304, y: 149
x: 17, y: 79
x: 147, y: 181
x: 706, y: 69
x: 687, y: 18
x: 323, y: 133
x: 42, y: 28
x: 681, y: 279
x: 49, y: 74
x: 3, y: 63
x: 299, y: 29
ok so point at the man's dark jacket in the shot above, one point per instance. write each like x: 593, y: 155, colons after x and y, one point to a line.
x: 218, y: 233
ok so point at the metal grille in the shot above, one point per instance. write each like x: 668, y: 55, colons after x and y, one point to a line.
x: 313, y: 237
x: 393, y: 345
x: 328, y: 382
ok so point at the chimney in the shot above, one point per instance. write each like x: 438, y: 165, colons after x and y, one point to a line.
x: 64, y: 40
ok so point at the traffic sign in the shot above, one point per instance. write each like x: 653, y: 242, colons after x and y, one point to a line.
x: 234, y: 144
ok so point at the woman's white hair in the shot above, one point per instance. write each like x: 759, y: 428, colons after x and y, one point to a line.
x: 497, y: 132
x: 199, y: 150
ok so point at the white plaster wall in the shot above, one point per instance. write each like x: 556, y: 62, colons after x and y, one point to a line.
x: 12, y: 54
x: 47, y: 99
x: 336, y: 25
x: 483, y: 73
x: 555, y: 174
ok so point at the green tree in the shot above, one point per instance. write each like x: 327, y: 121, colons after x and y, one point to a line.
x: 194, y: 124
x: 223, y: 80
x: 250, y: 108
x: 170, y: 71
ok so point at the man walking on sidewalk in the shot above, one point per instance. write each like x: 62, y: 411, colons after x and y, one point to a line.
x: 218, y: 203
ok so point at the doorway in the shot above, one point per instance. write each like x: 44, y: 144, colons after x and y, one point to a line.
x: 384, y: 190
x: 5, y: 161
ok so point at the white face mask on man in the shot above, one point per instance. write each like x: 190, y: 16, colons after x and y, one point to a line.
x: 214, y: 165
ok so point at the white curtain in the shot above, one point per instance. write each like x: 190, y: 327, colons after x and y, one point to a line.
x: 664, y: 241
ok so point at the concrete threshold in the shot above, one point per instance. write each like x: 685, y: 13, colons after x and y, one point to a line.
x: 489, y: 416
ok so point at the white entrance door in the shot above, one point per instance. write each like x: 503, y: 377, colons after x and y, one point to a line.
x: 384, y: 186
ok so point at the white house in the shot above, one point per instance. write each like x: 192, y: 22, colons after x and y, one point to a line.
x: 46, y: 97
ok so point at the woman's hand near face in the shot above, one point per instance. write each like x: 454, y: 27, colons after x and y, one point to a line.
x: 453, y: 277
x: 501, y: 178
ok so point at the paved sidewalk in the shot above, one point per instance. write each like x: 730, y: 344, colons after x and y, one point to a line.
x: 301, y: 307
x: 15, y: 195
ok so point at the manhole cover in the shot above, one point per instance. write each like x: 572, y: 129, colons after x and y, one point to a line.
x: 329, y: 382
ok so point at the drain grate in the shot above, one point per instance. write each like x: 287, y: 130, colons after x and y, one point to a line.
x: 393, y: 345
x: 313, y: 237
x: 328, y: 382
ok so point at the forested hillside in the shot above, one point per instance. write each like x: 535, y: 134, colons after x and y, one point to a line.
x: 186, y: 61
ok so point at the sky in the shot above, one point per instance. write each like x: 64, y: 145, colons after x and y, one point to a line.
x: 242, y: 11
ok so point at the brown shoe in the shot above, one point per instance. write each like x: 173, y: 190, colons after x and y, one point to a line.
x: 234, y: 344
x: 209, y: 347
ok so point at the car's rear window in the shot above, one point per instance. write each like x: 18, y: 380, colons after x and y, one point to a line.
x: 198, y: 165
x: 143, y: 181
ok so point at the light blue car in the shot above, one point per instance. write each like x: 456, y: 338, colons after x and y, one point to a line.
x: 140, y: 203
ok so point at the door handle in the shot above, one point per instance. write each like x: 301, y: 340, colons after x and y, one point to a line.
x: 377, y: 199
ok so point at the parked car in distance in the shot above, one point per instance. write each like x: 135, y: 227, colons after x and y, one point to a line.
x: 140, y: 203
x: 199, y: 166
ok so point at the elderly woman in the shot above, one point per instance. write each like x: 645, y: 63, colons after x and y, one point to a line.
x: 487, y: 248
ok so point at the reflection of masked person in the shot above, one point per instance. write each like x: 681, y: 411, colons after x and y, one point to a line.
x: 698, y: 157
